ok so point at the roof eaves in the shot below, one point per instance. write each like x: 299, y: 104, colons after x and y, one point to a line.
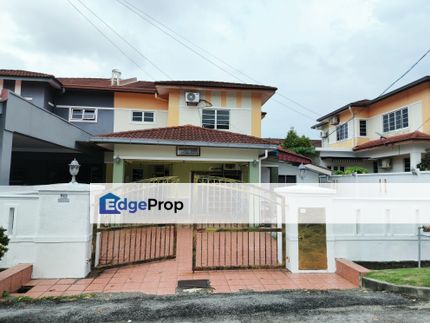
x: 146, y: 141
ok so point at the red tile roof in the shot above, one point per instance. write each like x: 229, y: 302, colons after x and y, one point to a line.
x: 289, y: 156
x: 215, y: 84
x: 412, y: 136
x: 22, y: 73
x: 105, y: 84
x: 189, y: 133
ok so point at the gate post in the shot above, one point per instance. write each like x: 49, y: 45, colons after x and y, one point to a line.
x: 299, y: 198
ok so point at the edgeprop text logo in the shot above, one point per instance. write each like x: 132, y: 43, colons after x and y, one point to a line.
x: 113, y: 204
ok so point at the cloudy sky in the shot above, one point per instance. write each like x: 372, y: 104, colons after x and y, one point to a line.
x: 321, y: 54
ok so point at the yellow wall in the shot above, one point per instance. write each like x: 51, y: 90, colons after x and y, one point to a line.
x: 137, y: 100
x: 256, y: 115
x: 418, y: 93
x: 173, y: 112
x: 238, y: 99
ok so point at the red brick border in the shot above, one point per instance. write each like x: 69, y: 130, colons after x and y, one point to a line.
x: 350, y: 271
x: 13, y: 278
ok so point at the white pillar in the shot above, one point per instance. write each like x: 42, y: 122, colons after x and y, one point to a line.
x: 301, y: 197
x: 415, y: 157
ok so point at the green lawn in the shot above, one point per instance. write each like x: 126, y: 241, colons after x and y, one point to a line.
x: 404, y: 276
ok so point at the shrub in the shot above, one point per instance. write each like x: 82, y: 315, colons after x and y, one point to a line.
x: 4, y: 241
x: 356, y: 169
x: 352, y: 170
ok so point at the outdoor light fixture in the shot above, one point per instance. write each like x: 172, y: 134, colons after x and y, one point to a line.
x: 302, y: 171
x: 74, y: 170
x: 117, y: 159
x: 254, y: 162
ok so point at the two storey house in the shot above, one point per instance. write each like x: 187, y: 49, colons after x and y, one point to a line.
x: 388, y: 134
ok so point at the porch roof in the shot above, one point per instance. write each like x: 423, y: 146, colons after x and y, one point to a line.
x: 412, y: 136
x: 187, y: 135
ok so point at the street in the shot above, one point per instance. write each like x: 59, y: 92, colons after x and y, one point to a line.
x: 287, y: 306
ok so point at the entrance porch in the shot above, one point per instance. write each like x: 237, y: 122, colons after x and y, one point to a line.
x: 182, y: 171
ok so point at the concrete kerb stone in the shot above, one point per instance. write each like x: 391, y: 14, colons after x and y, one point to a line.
x: 422, y: 293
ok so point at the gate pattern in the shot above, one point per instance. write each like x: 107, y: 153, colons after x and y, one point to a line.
x: 122, y: 245
x: 221, y: 246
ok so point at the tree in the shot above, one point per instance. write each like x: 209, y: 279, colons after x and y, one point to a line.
x: 4, y: 241
x: 298, y: 144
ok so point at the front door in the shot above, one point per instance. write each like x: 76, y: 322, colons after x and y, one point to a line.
x: 312, y: 239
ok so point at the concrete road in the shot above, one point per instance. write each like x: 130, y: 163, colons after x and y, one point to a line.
x: 286, y: 306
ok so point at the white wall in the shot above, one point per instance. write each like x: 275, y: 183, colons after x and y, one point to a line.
x: 54, y: 236
x: 240, y: 117
x: 362, y: 241
x: 123, y: 120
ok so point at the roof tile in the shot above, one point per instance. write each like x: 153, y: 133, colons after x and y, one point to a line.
x: 190, y: 133
x: 417, y: 135
x: 22, y: 73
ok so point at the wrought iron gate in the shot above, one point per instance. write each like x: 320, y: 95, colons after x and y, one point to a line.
x: 129, y: 244
x: 221, y: 246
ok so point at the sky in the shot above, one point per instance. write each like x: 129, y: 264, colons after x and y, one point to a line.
x: 320, y: 54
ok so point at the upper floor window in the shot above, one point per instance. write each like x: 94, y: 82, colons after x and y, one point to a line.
x: 143, y: 116
x: 216, y: 119
x: 83, y: 115
x: 342, y: 132
x: 395, y: 120
x: 363, y: 128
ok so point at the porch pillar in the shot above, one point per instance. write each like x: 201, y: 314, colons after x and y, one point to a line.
x: 254, y: 172
x: 6, y: 138
x: 118, y: 171
x: 274, y: 174
x: 415, y: 158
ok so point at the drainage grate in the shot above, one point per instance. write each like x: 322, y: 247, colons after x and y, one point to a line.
x: 24, y: 289
x: 194, y: 283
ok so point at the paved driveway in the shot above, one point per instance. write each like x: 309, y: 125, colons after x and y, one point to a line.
x: 295, y: 306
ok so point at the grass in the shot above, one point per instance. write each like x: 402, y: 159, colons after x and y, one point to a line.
x: 404, y: 276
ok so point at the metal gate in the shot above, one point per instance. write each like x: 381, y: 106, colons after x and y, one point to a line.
x: 129, y: 244
x: 222, y: 246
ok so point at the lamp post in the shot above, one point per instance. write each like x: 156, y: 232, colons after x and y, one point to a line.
x: 302, y: 171
x: 74, y: 170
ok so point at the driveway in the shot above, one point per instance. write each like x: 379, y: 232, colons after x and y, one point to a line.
x: 306, y: 306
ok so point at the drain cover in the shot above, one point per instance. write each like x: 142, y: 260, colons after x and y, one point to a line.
x: 193, y: 283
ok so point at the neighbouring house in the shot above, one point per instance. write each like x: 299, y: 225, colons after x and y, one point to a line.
x: 390, y: 133
x: 283, y: 166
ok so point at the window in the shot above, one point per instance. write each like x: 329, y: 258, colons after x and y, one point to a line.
x: 363, y: 128
x: 287, y: 179
x: 216, y: 119
x: 342, y: 132
x: 143, y: 116
x: 83, y: 115
x: 395, y: 120
x: 336, y: 168
x: 407, y: 164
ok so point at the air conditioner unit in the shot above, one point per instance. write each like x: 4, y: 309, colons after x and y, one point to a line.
x: 324, y: 134
x: 192, y: 97
x: 334, y: 120
x: 385, y: 163
x: 231, y: 167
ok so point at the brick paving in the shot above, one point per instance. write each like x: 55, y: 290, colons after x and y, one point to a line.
x: 160, y: 278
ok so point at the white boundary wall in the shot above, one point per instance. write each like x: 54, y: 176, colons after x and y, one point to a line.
x: 48, y: 226
x: 358, y: 241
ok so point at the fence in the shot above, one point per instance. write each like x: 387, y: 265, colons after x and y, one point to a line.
x: 121, y: 245
x: 221, y: 246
